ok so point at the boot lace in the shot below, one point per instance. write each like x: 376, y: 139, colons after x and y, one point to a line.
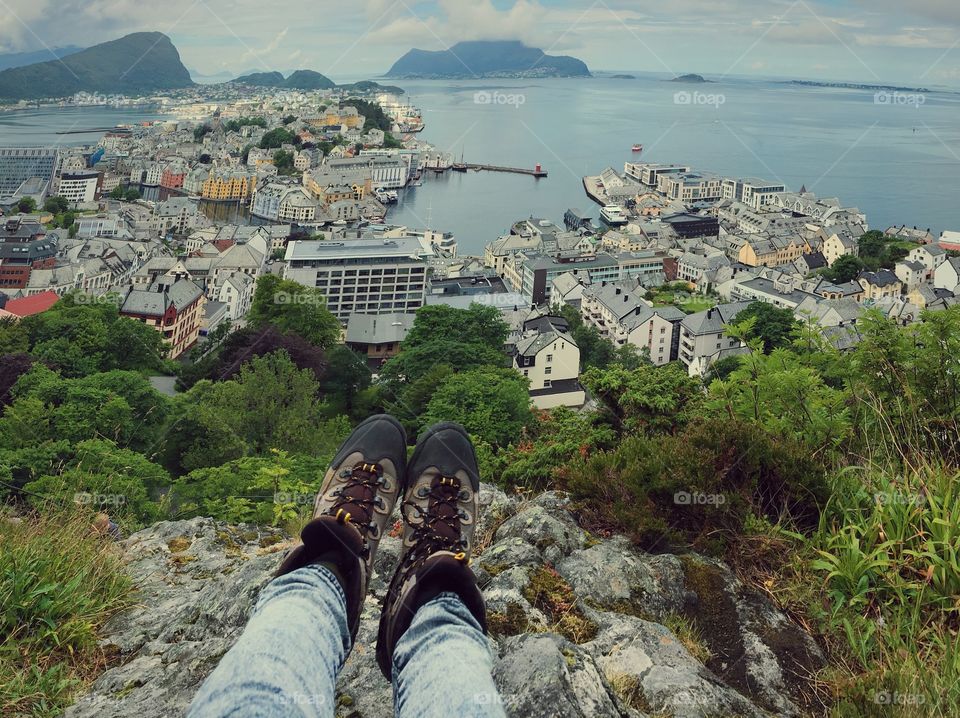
x: 440, y: 528
x: 358, y: 496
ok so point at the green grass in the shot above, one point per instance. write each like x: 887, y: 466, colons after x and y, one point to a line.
x: 677, y: 294
x: 879, y: 581
x: 58, y: 583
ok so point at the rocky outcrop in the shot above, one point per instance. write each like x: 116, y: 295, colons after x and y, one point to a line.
x: 580, y: 626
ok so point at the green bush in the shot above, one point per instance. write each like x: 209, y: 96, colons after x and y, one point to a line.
x: 698, y: 486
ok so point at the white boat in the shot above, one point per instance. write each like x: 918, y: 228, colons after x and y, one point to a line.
x: 612, y: 214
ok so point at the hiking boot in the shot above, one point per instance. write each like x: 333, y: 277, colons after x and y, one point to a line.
x: 439, y: 514
x: 351, y: 511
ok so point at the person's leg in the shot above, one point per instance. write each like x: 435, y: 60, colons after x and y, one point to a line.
x: 442, y: 664
x: 431, y: 641
x: 286, y: 661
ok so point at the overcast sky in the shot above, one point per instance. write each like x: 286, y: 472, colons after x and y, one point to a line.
x: 916, y: 42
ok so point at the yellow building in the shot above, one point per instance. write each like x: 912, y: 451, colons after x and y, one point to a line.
x: 229, y: 184
x: 772, y: 251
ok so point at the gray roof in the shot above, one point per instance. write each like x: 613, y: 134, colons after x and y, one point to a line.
x: 534, y: 344
x: 161, y: 295
x: 713, y: 320
x: 378, y: 328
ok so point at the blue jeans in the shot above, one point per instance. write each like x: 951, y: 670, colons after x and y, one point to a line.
x: 286, y: 661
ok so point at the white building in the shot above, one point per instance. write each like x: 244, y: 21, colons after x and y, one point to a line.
x: 79, y: 187
x: 549, y: 358
x: 703, y: 338
x: 362, y: 275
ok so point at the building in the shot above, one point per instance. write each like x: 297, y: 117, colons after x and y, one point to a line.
x: 17, y: 309
x: 692, y: 225
x: 21, y: 164
x: 550, y: 360
x: 836, y: 246
x: 689, y: 187
x: 755, y: 193
x: 621, y: 315
x: 947, y: 275
x: 228, y: 185
x: 782, y: 293
x: 171, y: 305
x: 536, y: 274
x: 80, y: 187
x: 284, y: 203
x: 24, y: 248
x: 929, y: 255
x: 649, y: 174
x: 378, y: 336
x: 880, y: 284
x: 362, y: 275
x: 703, y: 338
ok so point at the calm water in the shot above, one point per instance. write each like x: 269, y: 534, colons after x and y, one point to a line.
x: 898, y: 163
x: 29, y: 128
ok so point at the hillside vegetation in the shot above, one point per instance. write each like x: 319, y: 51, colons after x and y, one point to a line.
x: 826, y: 480
x: 136, y: 64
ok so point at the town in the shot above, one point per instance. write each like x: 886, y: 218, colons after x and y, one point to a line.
x: 176, y: 220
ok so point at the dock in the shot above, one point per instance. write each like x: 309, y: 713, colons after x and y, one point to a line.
x: 535, y: 172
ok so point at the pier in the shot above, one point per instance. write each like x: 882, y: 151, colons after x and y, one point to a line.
x: 537, y: 171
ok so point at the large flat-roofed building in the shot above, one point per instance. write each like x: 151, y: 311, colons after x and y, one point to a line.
x: 538, y: 272
x: 19, y: 164
x: 369, y: 276
x: 80, y: 187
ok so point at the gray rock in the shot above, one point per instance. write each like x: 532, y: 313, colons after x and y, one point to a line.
x: 554, y: 533
x: 756, y: 648
x: 545, y: 676
x: 648, y: 664
x: 613, y: 576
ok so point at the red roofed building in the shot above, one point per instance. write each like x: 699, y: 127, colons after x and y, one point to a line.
x: 26, y: 306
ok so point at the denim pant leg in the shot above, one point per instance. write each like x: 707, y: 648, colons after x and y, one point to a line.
x: 285, y: 663
x: 442, y: 665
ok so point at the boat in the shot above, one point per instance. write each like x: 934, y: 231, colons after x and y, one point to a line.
x: 612, y: 215
x: 637, y: 148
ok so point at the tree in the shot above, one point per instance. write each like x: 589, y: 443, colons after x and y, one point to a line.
x: 117, y: 192
x: 288, y: 119
x: 56, y: 205
x: 492, y: 403
x: 106, y: 478
x: 131, y: 195
x: 283, y: 161
x: 346, y: 377
x: 648, y: 400
x: 845, y: 269
x: 14, y: 337
x: 200, y: 131
x: 271, y: 404
x: 292, y: 307
x: 27, y: 205
x: 775, y: 327
x: 278, y: 137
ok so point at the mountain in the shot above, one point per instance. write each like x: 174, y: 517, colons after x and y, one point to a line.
x: 308, y: 80
x: 19, y: 59
x: 135, y: 64
x: 483, y: 58
x: 298, y: 80
x: 261, y: 79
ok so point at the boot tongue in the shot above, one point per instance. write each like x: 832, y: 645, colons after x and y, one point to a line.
x: 446, y: 517
x: 362, y: 495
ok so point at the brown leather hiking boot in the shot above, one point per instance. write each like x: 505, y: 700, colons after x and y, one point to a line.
x: 356, y: 499
x: 439, y: 514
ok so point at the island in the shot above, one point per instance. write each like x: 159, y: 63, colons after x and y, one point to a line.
x: 486, y: 59
x: 691, y: 78
x: 309, y: 80
x: 856, y: 86
x: 623, y: 77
